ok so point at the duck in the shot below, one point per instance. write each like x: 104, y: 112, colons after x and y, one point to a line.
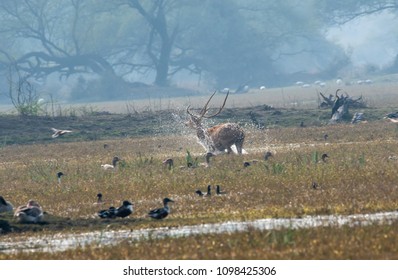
x: 200, y: 193
x: 218, y: 190
x: 392, y: 117
x: 267, y: 155
x: 59, y: 175
x: 5, y: 206
x: 30, y: 213
x: 59, y: 132
x: 99, y: 198
x: 124, y: 210
x: 169, y: 162
x: 161, y: 213
x: 357, y: 118
x: 109, y: 213
x: 208, y: 155
x: 111, y: 166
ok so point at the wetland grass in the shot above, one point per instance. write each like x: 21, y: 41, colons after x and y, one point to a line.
x: 358, y: 177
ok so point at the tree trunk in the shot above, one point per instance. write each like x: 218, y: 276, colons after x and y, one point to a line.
x: 162, y: 67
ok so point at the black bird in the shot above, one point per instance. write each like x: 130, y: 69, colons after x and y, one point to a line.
x: 324, y: 156
x: 161, y: 213
x: 218, y: 190
x: 325, y: 137
x: 124, y: 210
x: 314, y: 185
x: 108, y: 213
x: 246, y: 164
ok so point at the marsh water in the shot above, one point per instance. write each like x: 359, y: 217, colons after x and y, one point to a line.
x: 62, y: 241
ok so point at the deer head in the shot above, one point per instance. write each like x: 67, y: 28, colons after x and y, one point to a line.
x: 195, y: 121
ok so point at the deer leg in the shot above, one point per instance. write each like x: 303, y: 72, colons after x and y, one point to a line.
x: 239, y: 146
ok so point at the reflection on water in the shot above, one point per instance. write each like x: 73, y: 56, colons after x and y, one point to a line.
x: 61, y: 242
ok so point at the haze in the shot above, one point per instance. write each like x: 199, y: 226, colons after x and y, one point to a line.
x: 97, y: 50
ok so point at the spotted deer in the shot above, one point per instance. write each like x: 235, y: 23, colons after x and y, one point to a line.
x: 219, y: 137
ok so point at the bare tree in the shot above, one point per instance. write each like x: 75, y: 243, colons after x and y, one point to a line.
x: 58, y: 44
x: 155, y: 16
x: 22, y: 94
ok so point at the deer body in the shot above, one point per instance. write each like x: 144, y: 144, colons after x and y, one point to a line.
x: 225, y: 135
x: 219, y: 137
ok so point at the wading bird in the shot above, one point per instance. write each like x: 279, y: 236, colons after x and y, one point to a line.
x: 219, y: 137
x: 161, y: 213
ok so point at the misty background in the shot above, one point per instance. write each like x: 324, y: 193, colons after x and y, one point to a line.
x: 93, y: 50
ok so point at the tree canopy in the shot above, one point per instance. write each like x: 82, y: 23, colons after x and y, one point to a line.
x: 226, y: 43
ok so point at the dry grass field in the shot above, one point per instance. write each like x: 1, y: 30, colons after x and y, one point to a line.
x: 358, y: 177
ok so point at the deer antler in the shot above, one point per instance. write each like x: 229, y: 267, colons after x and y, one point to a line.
x: 219, y: 111
x: 204, y: 110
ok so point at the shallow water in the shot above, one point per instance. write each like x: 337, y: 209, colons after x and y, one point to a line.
x: 62, y: 242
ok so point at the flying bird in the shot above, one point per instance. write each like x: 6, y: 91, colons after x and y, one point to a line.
x: 161, y: 213
x: 59, y: 132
